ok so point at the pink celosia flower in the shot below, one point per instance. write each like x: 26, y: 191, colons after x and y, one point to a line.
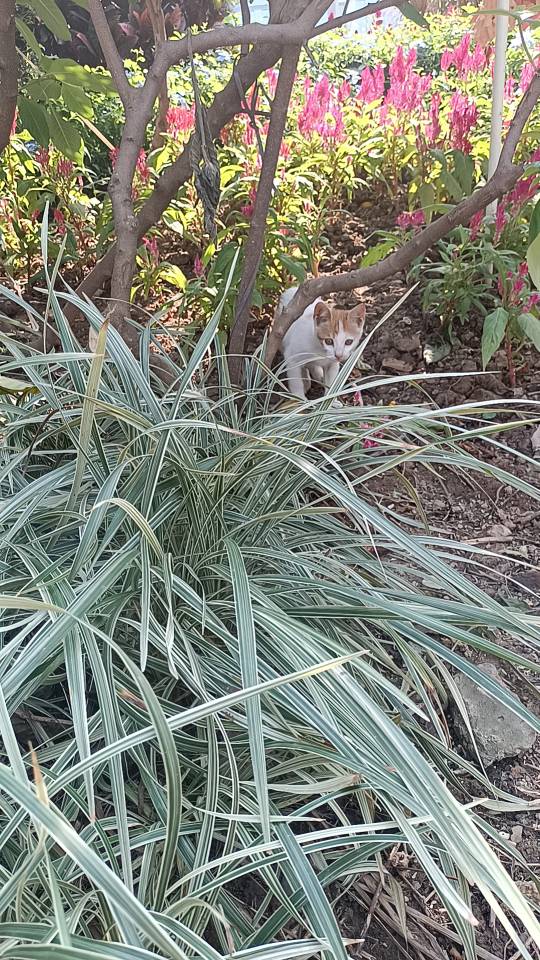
x: 272, y: 79
x: 142, y: 167
x: 463, y: 117
x: 509, y: 87
x: 371, y: 84
x: 344, y: 91
x: 114, y: 156
x: 151, y: 245
x: 463, y: 59
x: 64, y: 167
x: 532, y: 302
x: 198, y: 268
x: 475, y: 224
x: 407, y: 89
x: 526, y: 76
x: 357, y: 399
x: 14, y: 123
x: 412, y: 218
x: 500, y: 221
x: 180, y: 120
x: 42, y: 157
x: 433, y: 128
x: 60, y: 221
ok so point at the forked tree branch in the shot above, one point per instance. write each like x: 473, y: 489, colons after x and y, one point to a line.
x: 255, y: 242
x: 502, y: 180
x: 8, y: 70
x: 110, y: 52
x: 269, y: 43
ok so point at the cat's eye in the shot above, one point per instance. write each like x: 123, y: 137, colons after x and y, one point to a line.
x: 348, y: 343
x: 329, y: 342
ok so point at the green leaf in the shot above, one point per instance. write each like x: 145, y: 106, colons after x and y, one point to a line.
x: 50, y: 14
x: 533, y: 261
x: 531, y: 327
x: 493, y: 333
x: 44, y: 89
x: 376, y: 253
x: 34, y: 119
x: 68, y: 71
x: 426, y: 194
x: 534, y: 224
x: 77, y: 101
x: 409, y: 10
x: 65, y: 135
x: 29, y: 38
x: 174, y: 275
x: 464, y: 168
x: 452, y: 185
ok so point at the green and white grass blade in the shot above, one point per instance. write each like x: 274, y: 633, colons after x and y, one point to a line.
x: 248, y: 663
x: 88, y: 413
x: 317, y: 907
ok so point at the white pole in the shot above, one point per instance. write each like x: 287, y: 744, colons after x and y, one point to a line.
x: 499, y: 79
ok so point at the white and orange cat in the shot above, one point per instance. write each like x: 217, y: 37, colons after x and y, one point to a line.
x: 317, y: 343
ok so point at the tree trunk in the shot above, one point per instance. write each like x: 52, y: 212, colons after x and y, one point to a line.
x: 255, y: 241
x: 8, y: 71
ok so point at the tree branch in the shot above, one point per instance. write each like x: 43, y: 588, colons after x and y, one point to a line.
x: 367, y: 10
x: 257, y: 230
x: 157, y: 19
x: 8, y: 71
x: 225, y: 106
x: 110, y: 51
x: 503, y: 179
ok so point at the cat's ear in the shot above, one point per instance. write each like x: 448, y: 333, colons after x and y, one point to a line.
x: 322, y: 313
x: 358, y: 315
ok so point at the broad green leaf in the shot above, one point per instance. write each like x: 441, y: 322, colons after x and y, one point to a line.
x: 76, y: 100
x: 452, y: 185
x: 64, y: 135
x: 29, y: 38
x: 533, y: 261
x: 531, y: 327
x: 44, y: 89
x: 464, y: 168
x: 534, y: 224
x: 34, y: 119
x: 50, y: 14
x: 493, y: 333
x: 174, y: 275
x: 376, y: 253
x: 68, y: 71
x: 426, y: 193
x: 412, y: 13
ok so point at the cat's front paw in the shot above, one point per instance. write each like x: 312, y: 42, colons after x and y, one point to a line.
x: 336, y: 404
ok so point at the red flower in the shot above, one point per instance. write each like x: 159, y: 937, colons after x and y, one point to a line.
x: 60, y: 221
x: 180, y: 120
x: 463, y: 117
x: 414, y: 218
x: 151, y: 245
x: 475, y: 224
x: 198, y: 268
x: 64, y: 167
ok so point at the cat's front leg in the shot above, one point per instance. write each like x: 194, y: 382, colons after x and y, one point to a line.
x: 295, y: 381
x: 331, y: 371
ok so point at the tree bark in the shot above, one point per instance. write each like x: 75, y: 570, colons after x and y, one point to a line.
x: 8, y: 71
x: 503, y: 179
x: 255, y: 241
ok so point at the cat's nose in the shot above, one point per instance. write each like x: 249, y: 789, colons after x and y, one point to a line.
x: 339, y: 357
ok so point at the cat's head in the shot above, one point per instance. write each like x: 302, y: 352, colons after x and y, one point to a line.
x: 339, y: 331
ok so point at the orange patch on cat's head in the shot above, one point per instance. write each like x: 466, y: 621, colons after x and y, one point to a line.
x: 329, y: 320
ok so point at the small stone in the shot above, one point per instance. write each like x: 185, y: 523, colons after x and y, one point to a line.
x: 397, y: 366
x: 408, y: 344
x: 499, y: 531
x: 469, y: 366
x: 516, y: 836
x: 497, y: 730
